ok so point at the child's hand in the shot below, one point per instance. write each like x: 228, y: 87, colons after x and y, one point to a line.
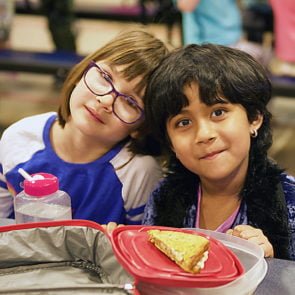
x: 111, y: 226
x: 254, y: 235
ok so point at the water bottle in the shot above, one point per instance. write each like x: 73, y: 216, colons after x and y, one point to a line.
x: 41, y: 200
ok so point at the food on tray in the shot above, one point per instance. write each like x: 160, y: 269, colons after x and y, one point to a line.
x: 189, y: 251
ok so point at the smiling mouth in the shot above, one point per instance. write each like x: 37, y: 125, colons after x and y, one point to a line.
x: 94, y: 115
x: 211, y: 156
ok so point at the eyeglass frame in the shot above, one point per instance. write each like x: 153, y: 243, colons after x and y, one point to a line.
x: 92, y: 63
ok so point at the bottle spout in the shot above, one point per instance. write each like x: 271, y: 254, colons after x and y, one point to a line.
x: 25, y: 174
x: 28, y: 177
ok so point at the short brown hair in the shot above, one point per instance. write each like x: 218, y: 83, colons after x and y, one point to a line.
x: 138, y: 49
x: 141, y: 52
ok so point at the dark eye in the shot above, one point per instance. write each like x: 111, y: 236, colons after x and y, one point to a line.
x: 131, y: 102
x: 107, y: 76
x: 218, y: 113
x: 183, y: 123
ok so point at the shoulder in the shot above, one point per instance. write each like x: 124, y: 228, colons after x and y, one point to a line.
x: 138, y: 173
x: 28, y: 125
x: 128, y: 162
x: 172, y: 204
x: 175, y: 185
x: 288, y: 183
x: 20, y: 140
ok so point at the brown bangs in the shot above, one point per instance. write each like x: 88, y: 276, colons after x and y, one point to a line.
x: 135, y: 67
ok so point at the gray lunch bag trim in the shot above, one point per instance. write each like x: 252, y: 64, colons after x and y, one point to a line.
x: 60, y: 259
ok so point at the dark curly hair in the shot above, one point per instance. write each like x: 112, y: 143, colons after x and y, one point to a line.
x: 220, y: 72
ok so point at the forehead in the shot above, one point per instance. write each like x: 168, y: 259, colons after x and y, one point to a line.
x: 193, y: 91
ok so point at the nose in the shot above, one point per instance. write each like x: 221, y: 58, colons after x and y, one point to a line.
x: 205, y: 133
x: 106, y: 100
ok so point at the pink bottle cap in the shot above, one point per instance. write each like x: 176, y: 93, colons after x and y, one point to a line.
x: 42, y: 184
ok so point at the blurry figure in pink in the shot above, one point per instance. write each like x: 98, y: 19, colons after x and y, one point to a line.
x: 284, y: 33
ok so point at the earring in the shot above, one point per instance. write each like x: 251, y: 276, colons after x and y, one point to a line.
x: 254, y: 133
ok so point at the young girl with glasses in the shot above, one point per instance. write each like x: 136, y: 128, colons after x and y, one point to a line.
x: 208, y: 106
x: 96, y: 144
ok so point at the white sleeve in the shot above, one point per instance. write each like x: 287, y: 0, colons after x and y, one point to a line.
x: 139, y: 177
x: 6, y: 199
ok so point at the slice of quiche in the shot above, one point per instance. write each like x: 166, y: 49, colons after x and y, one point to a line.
x: 189, y: 251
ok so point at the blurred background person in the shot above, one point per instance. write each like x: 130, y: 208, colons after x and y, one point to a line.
x: 6, y: 17
x: 283, y: 64
x: 217, y: 22
x: 60, y: 17
x: 202, y: 21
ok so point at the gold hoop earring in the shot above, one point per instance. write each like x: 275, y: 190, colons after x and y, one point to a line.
x: 254, y: 133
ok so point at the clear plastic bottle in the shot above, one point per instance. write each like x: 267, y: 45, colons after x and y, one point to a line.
x: 41, y: 200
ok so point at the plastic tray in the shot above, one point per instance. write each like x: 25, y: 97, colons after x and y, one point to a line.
x: 251, y: 257
x: 146, y: 263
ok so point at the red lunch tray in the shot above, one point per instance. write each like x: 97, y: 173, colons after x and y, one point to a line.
x: 148, y: 264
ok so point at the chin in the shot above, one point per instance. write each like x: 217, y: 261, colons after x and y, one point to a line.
x: 216, y: 174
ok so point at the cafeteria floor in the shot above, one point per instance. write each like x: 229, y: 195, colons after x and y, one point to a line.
x: 24, y: 94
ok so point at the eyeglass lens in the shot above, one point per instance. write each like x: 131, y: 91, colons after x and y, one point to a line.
x: 123, y: 106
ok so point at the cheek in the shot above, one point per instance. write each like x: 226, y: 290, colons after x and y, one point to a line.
x: 185, y: 153
x: 245, y: 142
x: 240, y: 140
x: 72, y: 102
x: 179, y: 141
x: 180, y: 145
x: 121, y: 129
x: 78, y: 95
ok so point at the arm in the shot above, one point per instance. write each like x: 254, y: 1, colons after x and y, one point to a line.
x: 150, y: 210
x: 138, y: 196
x: 138, y: 177
x: 142, y: 184
x: 254, y: 235
x: 187, y: 5
x: 6, y: 200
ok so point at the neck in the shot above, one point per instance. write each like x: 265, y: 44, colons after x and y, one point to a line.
x: 221, y: 191
x: 229, y: 186
x: 76, y: 148
x: 216, y: 206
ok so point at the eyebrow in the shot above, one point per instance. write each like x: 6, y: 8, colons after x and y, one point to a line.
x: 135, y: 96
x: 216, y: 100
x: 107, y: 71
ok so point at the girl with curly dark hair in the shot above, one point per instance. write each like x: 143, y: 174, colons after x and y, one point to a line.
x: 207, y: 104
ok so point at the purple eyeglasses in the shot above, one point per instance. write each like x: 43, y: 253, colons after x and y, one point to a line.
x: 99, y: 83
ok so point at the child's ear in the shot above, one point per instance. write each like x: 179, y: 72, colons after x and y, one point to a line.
x: 256, y: 124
